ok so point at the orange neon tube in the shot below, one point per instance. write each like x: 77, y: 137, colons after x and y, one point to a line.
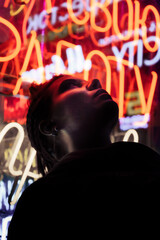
x: 121, y: 91
x: 107, y: 65
x: 141, y: 22
x: 17, y: 37
x: 26, y: 20
x: 73, y: 17
x: 6, y: 3
x: 137, y: 20
x: 144, y: 28
x: 29, y: 51
x: 140, y: 88
x: 146, y: 108
x: 120, y: 60
x: 63, y: 43
x: 39, y: 58
x: 4, y: 67
x: 38, y: 52
x: 33, y: 42
x: 130, y: 20
x: 152, y: 91
x: 17, y: 87
x: 16, y: 12
x: 25, y: 63
x: 48, y: 6
x: 94, y: 5
x: 121, y: 82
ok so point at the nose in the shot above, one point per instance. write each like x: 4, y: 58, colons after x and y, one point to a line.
x: 94, y: 84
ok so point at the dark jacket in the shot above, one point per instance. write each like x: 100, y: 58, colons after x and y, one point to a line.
x: 90, y: 191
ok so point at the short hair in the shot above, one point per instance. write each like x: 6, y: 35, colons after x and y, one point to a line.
x: 40, y: 109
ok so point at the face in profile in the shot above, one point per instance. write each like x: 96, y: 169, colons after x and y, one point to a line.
x: 82, y: 112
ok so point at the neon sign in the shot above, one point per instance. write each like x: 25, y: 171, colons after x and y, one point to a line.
x: 11, y: 161
x: 77, y: 60
x: 136, y: 38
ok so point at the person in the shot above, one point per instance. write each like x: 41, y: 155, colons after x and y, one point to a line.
x: 88, y: 183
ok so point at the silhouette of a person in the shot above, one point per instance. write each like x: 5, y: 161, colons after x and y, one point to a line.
x: 88, y: 183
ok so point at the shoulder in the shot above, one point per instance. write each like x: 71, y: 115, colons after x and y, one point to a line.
x: 135, y: 157
x: 133, y: 149
x: 117, y: 156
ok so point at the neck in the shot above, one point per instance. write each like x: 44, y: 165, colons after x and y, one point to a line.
x: 91, y: 141
x: 67, y: 143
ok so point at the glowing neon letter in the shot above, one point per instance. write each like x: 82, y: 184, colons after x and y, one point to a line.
x: 73, y: 17
x: 48, y: 6
x: 14, y: 13
x: 144, y: 28
x: 5, y: 222
x: 142, y: 21
x: 16, y: 146
x: 103, y: 7
x: 130, y: 47
x: 146, y: 107
x: 121, y: 91
x: 130, y: 20
x: 15, y: 149
x: 107, y: 64
x: 24, y: 176
x: 24, y: 26
x: 157, y: 56
x: 6, y: 3
x: 129, y: 133
x: 33, y: 42
x: 17, y: 37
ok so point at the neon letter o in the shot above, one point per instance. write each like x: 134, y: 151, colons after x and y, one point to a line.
x: 17, y: 37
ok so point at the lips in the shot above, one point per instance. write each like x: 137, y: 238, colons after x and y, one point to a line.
x: 102, y: 95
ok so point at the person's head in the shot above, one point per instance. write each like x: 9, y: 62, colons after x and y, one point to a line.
x: 68, y: 114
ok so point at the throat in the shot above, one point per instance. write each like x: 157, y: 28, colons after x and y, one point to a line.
x: 92, y: 141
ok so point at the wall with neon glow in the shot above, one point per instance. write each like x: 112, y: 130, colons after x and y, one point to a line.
x: 116, y: 41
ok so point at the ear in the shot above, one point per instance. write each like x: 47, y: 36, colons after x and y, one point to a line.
x: 47, y: 127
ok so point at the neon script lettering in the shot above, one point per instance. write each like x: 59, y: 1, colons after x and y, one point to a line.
x: 15, y: 149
